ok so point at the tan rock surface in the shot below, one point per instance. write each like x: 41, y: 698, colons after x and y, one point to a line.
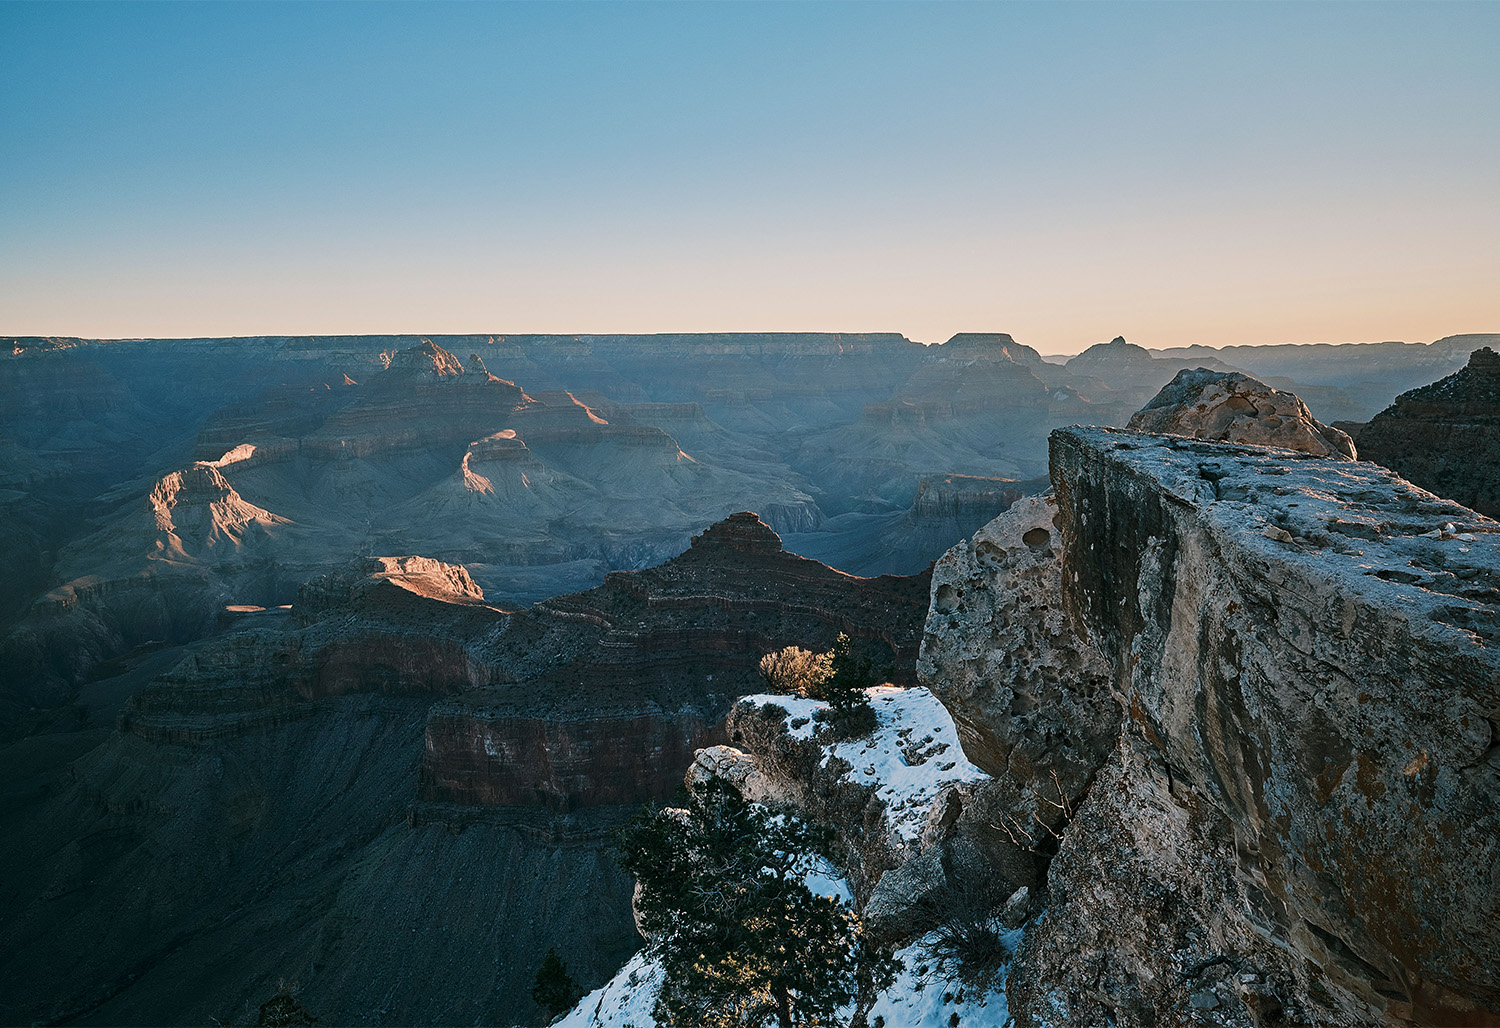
x: 1232, y: 407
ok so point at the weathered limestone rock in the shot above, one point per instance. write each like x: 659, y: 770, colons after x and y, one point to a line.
x: 1310, y: 749
x: 1142, y: 922
x: 899, y: 906
x: 1029, y: 696
x: 1446, y: 436
x: 741, y: 770
x: 911, y: 835
x: 1232, y: 407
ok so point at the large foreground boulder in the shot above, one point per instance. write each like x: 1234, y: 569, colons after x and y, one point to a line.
x: 1300, y: 822
x: 1228, y: 406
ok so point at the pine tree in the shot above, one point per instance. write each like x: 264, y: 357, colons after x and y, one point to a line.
x: 554, y: 990
x: 743, y: 940
x: 849, y: 676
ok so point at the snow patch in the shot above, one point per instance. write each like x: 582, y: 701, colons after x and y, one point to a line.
x: 910, y: 758
x: 926, y: 995
x: 625, y: 1001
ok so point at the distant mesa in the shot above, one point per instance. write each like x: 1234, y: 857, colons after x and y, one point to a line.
x: 1114, y: 351
x: 988, y: 346
x: 1235, y: 408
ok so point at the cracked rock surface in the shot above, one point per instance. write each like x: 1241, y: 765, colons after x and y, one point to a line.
x: 1307, y: 771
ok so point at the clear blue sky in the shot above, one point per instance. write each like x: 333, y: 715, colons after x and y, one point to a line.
x: 1178, y: 173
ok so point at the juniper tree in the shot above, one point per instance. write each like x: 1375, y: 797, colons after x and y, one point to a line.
x: 848, y: 677
x: 554, y: 990
x: 743, y: 941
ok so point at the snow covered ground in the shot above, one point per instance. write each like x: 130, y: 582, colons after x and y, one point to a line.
x: 625, y: 1001
x: 910, y: 758
x: 925, y: 994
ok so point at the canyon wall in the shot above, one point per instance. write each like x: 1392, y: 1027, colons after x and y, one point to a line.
x: 389, y: 783
x: 1265, y: 721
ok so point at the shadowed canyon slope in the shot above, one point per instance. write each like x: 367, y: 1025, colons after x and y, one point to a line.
x: 392, y: 784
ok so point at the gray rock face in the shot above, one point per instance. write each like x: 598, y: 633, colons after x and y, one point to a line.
x: 1307, y: 775
x: 1232, y: 407
x: 1030, y: 697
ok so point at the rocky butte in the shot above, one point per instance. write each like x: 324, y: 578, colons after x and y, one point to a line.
x: 1446, y: 436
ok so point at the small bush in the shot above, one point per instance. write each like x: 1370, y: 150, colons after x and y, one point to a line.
x: 794, y: 670
x: 970, y: 933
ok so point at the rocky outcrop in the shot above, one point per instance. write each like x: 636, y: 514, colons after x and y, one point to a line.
x: 1119, y: 377
x: 1303, y: 791
x: 898, y: 799
x: 1030, y: 696
x: 1446, y: 436
x: 1231, y: 407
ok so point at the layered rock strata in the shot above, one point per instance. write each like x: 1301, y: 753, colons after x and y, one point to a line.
x: 1446, y: 436
x: 602, y: 697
